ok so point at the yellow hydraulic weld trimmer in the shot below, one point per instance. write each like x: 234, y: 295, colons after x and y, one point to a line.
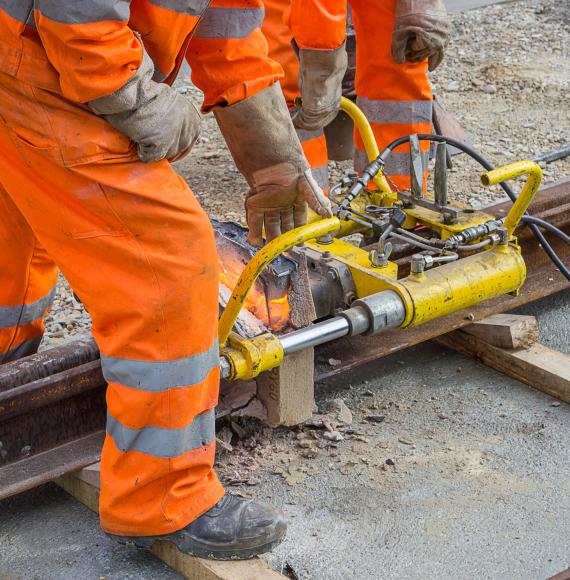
x: 463, y: 257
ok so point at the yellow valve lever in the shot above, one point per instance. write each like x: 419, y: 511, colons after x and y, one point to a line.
x: 527, y: 194
x: 261, y: 260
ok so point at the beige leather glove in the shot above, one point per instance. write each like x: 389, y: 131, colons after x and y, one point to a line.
x: 163, y: 123
x: 421, y: 31
x: 320, y: 81
x: 266, y: 149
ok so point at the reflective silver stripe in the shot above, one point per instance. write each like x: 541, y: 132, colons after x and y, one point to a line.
x: 25, y: 349
x: 160, y: 442
x: 397, y: 163
x: 84, y: 11
x: 159, y: 376
x: 305, y: 135
x: 399, y: 112
x: 321, y: 175
x: 229, y: 22
x: 11, y: 316
x: 20, y: 10
x: 190, y: 7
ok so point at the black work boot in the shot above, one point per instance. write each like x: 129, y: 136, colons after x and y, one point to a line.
x: 234, y: 529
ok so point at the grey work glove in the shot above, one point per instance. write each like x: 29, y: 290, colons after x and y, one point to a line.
x: 421, y: 31
x: 163, y: 123
x: 320, y: 82
x: 262, y: 140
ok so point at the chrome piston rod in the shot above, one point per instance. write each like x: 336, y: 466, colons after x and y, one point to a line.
x: 370, y: 315
x: 319, y: 333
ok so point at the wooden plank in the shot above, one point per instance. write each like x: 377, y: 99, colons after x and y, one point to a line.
x: 542, y: 368
x: 288, y: 391
x: 84, y: 486
x: 506, y: 330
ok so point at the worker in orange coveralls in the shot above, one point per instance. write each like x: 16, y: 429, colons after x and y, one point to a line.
x: 88, y: 126
x: 397, y: 42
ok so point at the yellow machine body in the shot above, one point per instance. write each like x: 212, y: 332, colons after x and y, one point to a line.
x: 426, y: 295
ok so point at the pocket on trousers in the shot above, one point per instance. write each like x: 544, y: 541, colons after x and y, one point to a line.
x: 82, y: 136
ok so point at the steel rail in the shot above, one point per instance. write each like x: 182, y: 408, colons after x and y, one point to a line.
x: 52, y: 404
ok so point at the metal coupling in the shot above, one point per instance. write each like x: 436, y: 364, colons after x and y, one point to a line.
x: 225, y: 368
x: 473, y: 233
x: 503, y: 236
x: 376, y: 313
x: 420, y: 263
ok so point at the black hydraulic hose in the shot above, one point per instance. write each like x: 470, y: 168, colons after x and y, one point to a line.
x: 530, y: 219
x: 532, y: 223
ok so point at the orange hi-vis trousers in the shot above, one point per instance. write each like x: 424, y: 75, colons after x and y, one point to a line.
x: 396, y: 99
x: 139, y: 252
x: 278, y: 38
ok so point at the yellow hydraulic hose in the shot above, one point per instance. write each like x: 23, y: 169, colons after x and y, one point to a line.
x: 363, y: 127
x: 528, y: 192
x: 259, y: 262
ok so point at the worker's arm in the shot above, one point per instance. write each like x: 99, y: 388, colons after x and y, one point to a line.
x: 228, y: 53
x: 421, y: 31
x: 101, y: 62
x: 90, y: 45
x: 229, y: 59
x: 318, y: 28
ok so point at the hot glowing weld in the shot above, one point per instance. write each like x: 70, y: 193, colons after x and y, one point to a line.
x: 273, y: 313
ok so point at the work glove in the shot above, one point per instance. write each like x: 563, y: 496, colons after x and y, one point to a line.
x: 421, y: 31
x: 263, y: 143
x: 163, y: 123
x: 320, y: 82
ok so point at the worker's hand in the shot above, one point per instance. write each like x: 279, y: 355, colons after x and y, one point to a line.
x: 279, y: 199
x: 262, y: 140
x: 320, y: 81
x: 163, y: 123
x: 421, y: 31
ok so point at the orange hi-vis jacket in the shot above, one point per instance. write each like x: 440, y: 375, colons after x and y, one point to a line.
x: 88, y: 49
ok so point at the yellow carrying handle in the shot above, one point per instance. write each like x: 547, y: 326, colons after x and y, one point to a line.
x: 260, y: 261
x: 527, y: 194
x: 363, y: 127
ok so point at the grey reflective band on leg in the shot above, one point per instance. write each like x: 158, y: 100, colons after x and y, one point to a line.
x: 11, y: 316
x: 164, y: 443
x: 305, y: 135
x: 229, y: 22
x: 20, y: 10
x: 159, y: 376
x: 189, y: 7
x: 27, y: 348
x: 396, y: 112
x: 321, y: 176
x: 84, y: 12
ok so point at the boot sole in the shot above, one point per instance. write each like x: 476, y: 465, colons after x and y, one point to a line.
x: 146, y: 543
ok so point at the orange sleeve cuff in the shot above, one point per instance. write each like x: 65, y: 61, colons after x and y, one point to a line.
x: 231, y: 70
x: 92, y: 59
x: 318, y: 24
